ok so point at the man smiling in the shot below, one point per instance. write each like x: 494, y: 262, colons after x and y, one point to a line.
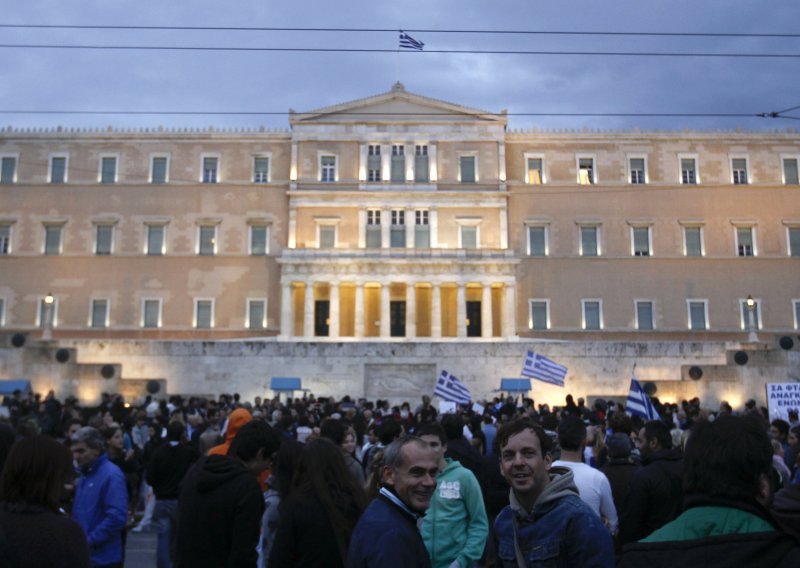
x: 386, y: 534
x: 546, y: 522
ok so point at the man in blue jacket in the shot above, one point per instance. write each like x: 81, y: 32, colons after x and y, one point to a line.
x: 101, y: 499
x: 547, y: 523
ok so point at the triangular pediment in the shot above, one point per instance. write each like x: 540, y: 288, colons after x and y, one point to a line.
x: 397, y: 105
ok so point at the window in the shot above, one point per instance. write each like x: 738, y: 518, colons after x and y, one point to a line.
x: 108, y: 169
x: 159, y: 168
x: 636, y: 167
x: 151, y: 312
x: 207, y: 240
x: 592, y: 314
x: 398, y: 168
x: 745, y: 241
x: 586, y: 172
x: 58, y: 169
x: 467, y: 173
x: 698, y: 314
x: 790, y: 173
x: 421, y: 170
x: 540, y: 315
x: 422, y: 230
x: 468, y: 237
x: 796, y: 310
x: 537, y: 240
x: 640, y: 241
x: 693, y: 241
x: 256, y: 314
x: 98, y: 314
x: 590, y: 242
x: 52, y: 239
x: 2, y: 312
x: 259, y: 240
x: 689, y: 171
x: 204, y: 314
x: 534, y: 170
x: 792, y: 236
x: 8, y: 169
x: 156, y: 243
x: 374, y: 228
x: 210, y: 169
x: 326, y: 236
x: 744, y: 313
x: 261, y: 169
x: 5, y: 239
x: 739, y: 171
x: 327, y: 168
x: 398, y: 229
x: 644, y: 315
x: 48, y: 314
x: 104, y: 239
x: 374, y: 163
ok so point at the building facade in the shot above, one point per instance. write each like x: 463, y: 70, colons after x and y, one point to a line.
x: 399, y: 218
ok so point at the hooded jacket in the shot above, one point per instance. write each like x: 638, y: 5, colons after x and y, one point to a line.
x: 236, y: 420
x: 561, y: 530
x: 219, y: 515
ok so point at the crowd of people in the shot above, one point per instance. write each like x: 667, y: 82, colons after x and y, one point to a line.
x: 316, y: 481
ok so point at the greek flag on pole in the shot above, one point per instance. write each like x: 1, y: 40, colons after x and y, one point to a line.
x: 451, y: 389
x: 639, y: 403
x: 408, y: 42
x: 543, y: 369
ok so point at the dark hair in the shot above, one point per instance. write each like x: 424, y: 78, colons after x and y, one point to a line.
x: 656, y: 429
x: 175, y: 431
x: 389, y: 430
x: 432, y: 429
x: 333, y: 429
x: 453, y: 426
x: 322, y: 473
x: 571, y: 433
x: 254, y: 436
x: 782, y: 426
x: 283, y: 468
x: 519, y: 425
x: 726, y: 458
x: 35, y: 472
x: 620, y: 422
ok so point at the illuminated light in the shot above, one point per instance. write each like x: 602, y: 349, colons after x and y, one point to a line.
x: 49, y: 299
x: 127, y: 405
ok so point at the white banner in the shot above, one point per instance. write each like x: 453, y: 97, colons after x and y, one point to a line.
x: 781, y: 397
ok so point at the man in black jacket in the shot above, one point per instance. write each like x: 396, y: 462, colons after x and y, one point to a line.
x: 656, y: 490
x: 221, y: 502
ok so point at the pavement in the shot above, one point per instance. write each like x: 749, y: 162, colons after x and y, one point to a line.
x: 140, y: 550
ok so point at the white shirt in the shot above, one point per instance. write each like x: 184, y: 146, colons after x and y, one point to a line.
x: 594, y: 490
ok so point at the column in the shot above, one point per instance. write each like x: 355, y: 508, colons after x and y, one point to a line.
x: 501, y: 162
x: 504, y: 227
x: 461, y: 310
x: 436, y: 310
x: 386, y: 225
x: 386, y: 162
x: 359, y: 309
x: 434, y: 222
x: 334, y: 310
x: 410, y: 227
x: 362, y: 228
x: 293, y: 166
x: 486, y: 310
x: 411, y: 310
x: 308, y: 311
x: 292, y: 228
x: 362, y: 163
x: 386, y: 320
x: 510, y: 311
x: 433, y: 169
x: 410, y: 161
x: 287, y: 321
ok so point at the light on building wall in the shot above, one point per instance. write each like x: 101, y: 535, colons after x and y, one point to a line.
x: 752, y: 337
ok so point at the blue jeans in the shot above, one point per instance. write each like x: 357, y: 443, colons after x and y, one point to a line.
x: 165, y: 517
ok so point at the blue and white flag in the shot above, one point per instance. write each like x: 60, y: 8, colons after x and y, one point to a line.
x: 543, y: 369
x: 451, y: 389
x: 408, y: 42
x: 639, y: 403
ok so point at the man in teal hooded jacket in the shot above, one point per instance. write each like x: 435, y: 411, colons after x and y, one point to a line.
x: 455, y: 526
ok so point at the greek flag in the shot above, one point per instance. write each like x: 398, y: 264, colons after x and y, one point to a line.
x: 408, y: 42
x: 451, y: 389
x: 543, y: 369
x: 639, y: 403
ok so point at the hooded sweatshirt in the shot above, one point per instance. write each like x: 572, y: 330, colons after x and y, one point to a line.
x: 219, y: 514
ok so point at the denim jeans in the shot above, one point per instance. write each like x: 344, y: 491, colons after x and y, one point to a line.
x: 165, y: 517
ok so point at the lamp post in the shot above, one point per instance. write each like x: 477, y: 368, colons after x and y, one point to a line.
x: 752, y: 337
x: 47, y: 317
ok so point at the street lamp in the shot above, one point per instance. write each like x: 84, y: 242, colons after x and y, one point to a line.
x: 752, y: 337
x: 47, y: 317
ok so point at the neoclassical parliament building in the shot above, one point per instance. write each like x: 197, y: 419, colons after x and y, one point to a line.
x: 377, y: 241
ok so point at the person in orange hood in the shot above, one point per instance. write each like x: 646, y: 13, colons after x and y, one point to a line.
x: 236, y: 420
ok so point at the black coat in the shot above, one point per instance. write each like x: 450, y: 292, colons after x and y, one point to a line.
x: 305, y: 537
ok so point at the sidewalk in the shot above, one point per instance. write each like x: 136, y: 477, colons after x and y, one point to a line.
x: 140, y: 550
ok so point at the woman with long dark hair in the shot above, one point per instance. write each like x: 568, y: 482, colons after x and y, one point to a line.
x: 323, y: 507
x: 34, y: 531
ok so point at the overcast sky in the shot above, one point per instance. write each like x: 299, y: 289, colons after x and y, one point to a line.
x: 68, y: 79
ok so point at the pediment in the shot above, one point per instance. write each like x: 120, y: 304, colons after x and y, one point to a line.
x: 397, y: 105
